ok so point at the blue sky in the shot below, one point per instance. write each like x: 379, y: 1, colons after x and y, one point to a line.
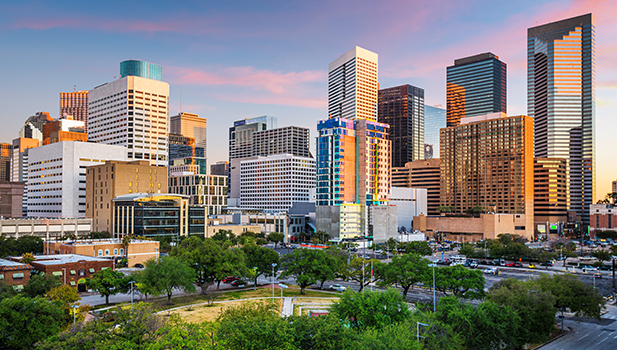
x: 241, y: 59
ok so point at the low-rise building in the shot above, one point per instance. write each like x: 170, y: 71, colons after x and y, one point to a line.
x: 472, y: 229
x: 267, y: 221
x: 46, y: 228
x: 14, y: 273
x: 603, y: 217
x: 216, y: 225
x: 138, y: 251
x: 72, y: 269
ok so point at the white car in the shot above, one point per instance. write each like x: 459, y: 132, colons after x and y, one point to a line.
x: 338, y: 287
x: 490, y: 270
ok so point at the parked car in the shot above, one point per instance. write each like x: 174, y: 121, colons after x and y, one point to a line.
x: 490, y: 270
x: 229, y: 279
x: 548, y: 263
x: 338, y: 287
x: 517, y: 264
x: 238, y: 283
x: 139, y: 266
x: 444, y: 262
x: 509, y: 264
x: 597, y: 275
x: 532, y: 266
x: 471, y: 263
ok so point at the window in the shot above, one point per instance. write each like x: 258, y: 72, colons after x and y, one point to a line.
x: 1, y: 276
x: 91, y: 270
x: 82, y: 272
x: 100, y: 252
x: 18, y: 275
x: 106, y: 252
x: 57, y: 273
x: 116, y: 251
x: 72, y: 283
x: 121, y: 251
x: 73, y: 272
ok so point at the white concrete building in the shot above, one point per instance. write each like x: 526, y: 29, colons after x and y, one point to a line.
x: 132, y: 112
x: 410, y: 202
x: 275, y: 182
x: 57, y: 176
x: 209, y: 191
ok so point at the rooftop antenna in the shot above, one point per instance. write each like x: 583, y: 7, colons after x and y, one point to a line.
x: 74, y: 88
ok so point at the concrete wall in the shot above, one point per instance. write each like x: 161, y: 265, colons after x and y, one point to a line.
x: 410, y: 202
x: 465, y: 229
x: 45, y: 228
x: 327, y: 219
x: 384, y: 221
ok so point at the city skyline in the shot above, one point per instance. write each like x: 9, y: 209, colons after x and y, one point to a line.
x: 199, y: 50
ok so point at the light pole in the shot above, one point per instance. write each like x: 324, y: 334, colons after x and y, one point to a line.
x: 273, y: 266
x: 434, y: 300
x: 282, y: 286
x: 132, y: 283
x: 74, y: 307
x: 64, y: 274
x: 418, y: 324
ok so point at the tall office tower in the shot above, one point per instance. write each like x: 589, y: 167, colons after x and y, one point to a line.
x: 57, y: 176
x: 276, y: 182
x: 204, y: 190
x: 142, y: 69
x: 132, y: 112
x: 33, y: 127
x: 402, y: 107
x: 190, y: 125
x: 434, y: 120
x: 373, y: 160
x: 421, y: 174
x: 19, y: 165
x: 549, y: 195
x: 561, y: 101
x: 6, y: 155
x: 487, y: 161
x: 353, y: 86
x: 104, y: 182
x: 76, y: 104
x: 289, y: 139
x: 241, y: 135
x: 64, y: 129
x: 475, y: 85
x: 182, y: 147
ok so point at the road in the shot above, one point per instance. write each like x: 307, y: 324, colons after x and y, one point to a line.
x: 588, y: 334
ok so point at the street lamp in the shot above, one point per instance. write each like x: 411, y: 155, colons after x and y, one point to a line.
x: 418, y: 324
x: 282, y: 286
x: 132, y: 283
x: 74, y: 307
x: 434, y: 300
x: 273, y: 266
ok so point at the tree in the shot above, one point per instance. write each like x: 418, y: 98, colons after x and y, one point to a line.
x: 467, y: 249
x: 327, y: 267
x: 489, y: 326
x: 276, y: 238
x: 321, y: 236
x: 259, y: 260
x: 571, y: 293
x: 99, y: 235
x: 405, y: 271
x: 359, y: 270
x: 534, y: 308
x: 462, y: 282
x: 305, y: 265
x: 168, y: 274
x: 371, y: 309
x: 27, y: 258
x: 417, y: 247
x: 203, y: 255
x: 230, y: 264
x: 40, y: 284
x: 225, y: 235
x: 445, y: 209
x: 602, y: 255
x: 108, y: 282
x: 24, y: 321
x: 391, y: 244
x: 477, y: 210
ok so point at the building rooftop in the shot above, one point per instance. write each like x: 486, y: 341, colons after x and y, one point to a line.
x: 97, y: 241
x: 61, y: 259
x: 141, y: 196
x: 13, y: 265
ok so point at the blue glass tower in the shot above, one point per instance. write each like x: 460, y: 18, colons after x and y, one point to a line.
x: 141, y: 69
x: 434, y: 120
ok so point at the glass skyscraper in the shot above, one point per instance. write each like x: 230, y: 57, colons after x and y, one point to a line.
x: 475, y: 85
x: 561, y: 99
x: 434, y: 120
x: 141, y: 69
x: 402, y: 107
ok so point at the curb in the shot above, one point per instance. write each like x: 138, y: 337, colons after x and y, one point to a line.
x: 570, y: 330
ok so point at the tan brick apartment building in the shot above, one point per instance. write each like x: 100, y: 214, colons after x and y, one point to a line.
x: 139, y: 251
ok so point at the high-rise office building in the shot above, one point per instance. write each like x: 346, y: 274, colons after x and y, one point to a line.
x: 402, y: 108
x: 289, y: 139
x: 132, y: 112
x: 75, y: 104
x: 241, y: 135
x: 475, y: 85
x: 561, y: 101
x: 421, y: 174
x: 220, y: 168
x: 33, y: 127
x: 182, y: 147
x: 19, y: 165
x: 487, y: 161
x: 142, y: 69
x: 190, y: 125
x: 434, y: 120
x: 6, y: 155
x: 549, y: 195
x: 353, y: 85
x: 203, y: 190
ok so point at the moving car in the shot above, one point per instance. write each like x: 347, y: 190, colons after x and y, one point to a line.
x: 597, y: 275
x: 238, y: 283
x: 338, y: 287
x: 490, y: 270
x: 548, y: 263
x: 532, y: 266
x: 509, y: 264
x: 229, y: 279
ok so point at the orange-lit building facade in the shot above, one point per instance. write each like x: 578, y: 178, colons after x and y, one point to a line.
x: 76, y: 104
x: 64, y: 129
x: 421, y: 174
x: 487, y: 161
x: 550, y: 202
x: 6, y: 155
x: 190, y: 125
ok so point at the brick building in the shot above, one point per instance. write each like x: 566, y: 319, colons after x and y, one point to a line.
x: 72, y: 269
x: 137, y: 252
x: 602, y: 217
x: 14, y: 273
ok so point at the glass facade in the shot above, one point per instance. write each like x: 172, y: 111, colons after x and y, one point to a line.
x: 475, y: 85
x: 561, y: 99
x: 434, y: 120
x: 141, y: 69
x: 402, y: 107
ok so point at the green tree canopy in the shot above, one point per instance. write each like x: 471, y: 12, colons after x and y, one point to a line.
x: 108, y: 282
x: 359, y: 270
x: 203, y: 255
x: 276, y: 238
x: 572, y: 294
x: 371, y: 309
x: 306, y: 264
x: 405, y: 271
x: 261, y: 258
x: 460, y: 281
x: 416, y: 247
x: 40, y: 284
x: 168, y: 274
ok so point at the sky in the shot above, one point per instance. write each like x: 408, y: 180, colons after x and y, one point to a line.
x: 230, y: 60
